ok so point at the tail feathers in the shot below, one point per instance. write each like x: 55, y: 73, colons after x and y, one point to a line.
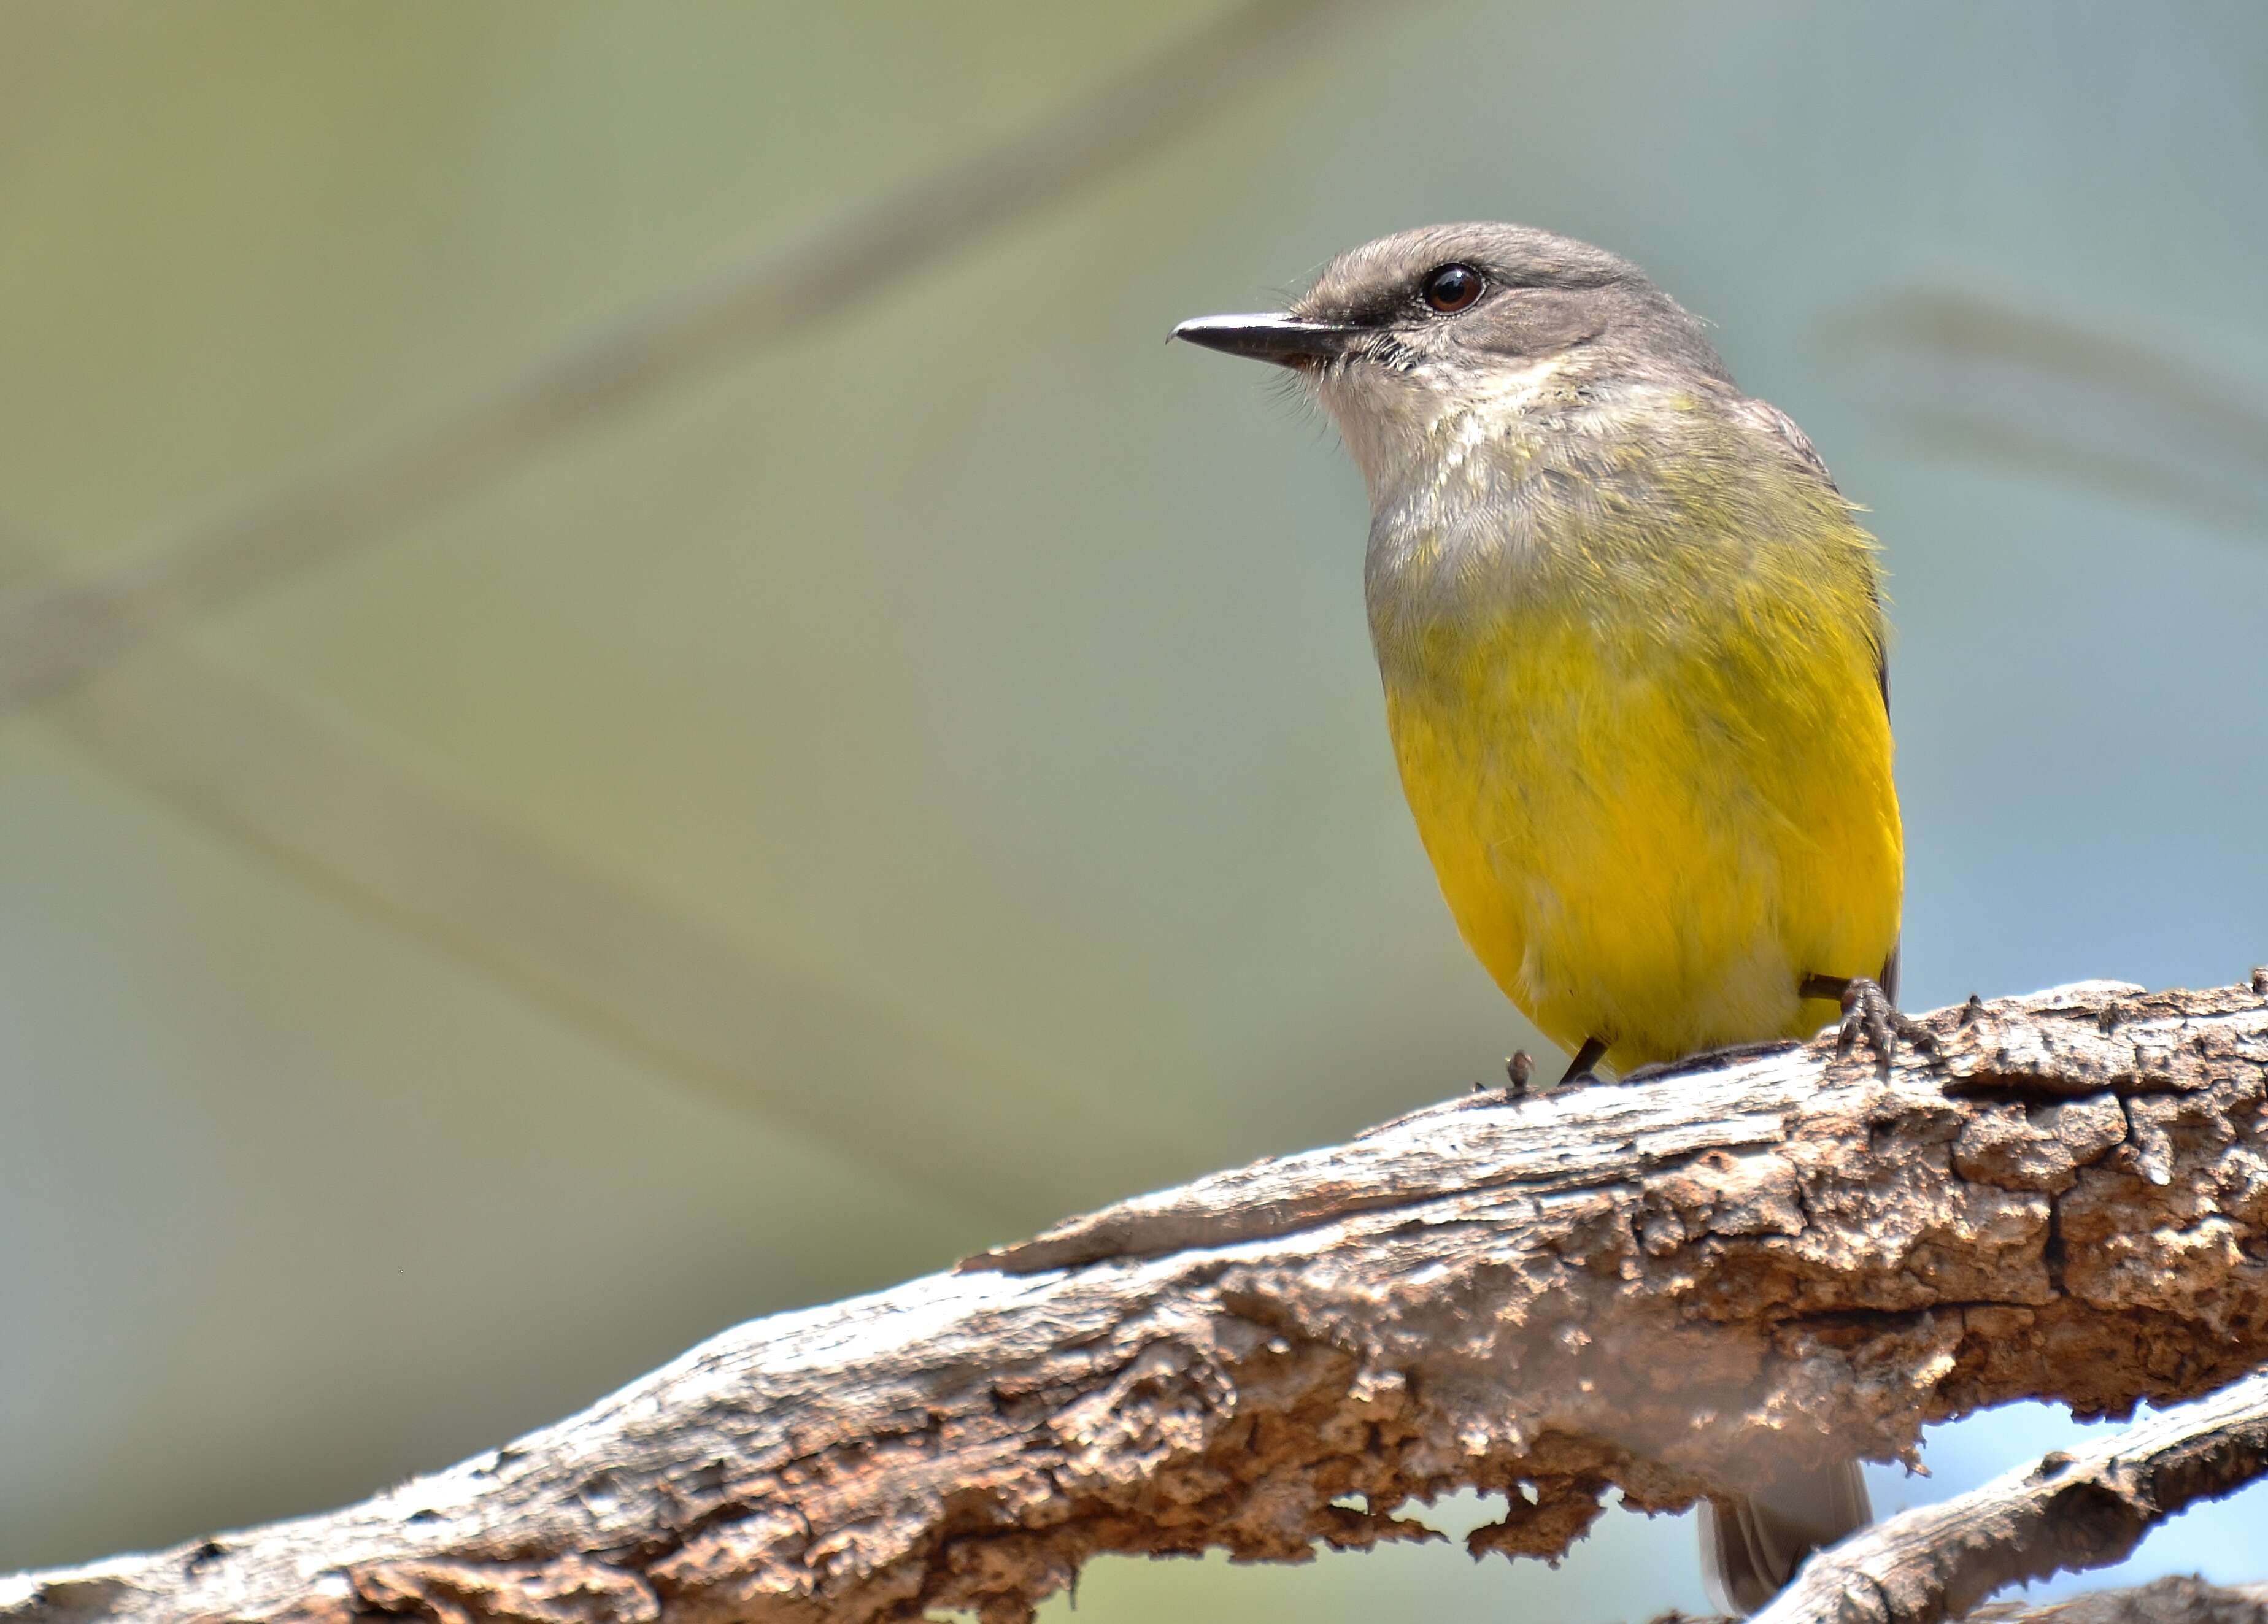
x: 1750, y: 1549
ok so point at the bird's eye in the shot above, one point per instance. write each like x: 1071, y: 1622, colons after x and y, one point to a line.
x: 1450, y: 287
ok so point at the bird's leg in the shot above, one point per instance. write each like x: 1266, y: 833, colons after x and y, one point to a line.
x: 1869, y: 1013
x: 1579, y: 1070
x: 1704, y: 1060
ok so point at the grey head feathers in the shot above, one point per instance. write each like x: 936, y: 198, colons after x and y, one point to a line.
x: 1541, y: 295
x: 1448, y: 337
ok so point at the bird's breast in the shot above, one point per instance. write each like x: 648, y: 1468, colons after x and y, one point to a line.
x: 1647, y: 756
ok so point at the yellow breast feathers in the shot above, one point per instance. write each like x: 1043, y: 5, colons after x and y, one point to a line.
x: 1648, y: 752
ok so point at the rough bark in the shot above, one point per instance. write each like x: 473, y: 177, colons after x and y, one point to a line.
x: 1640, y: 1286
x: 2085, y: 1508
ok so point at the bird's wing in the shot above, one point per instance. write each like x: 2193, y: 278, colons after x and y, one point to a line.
x: 1783, y: 428
x: 1777, y: 423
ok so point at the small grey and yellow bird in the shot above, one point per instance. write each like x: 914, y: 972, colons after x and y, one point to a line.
x: 1631, y: 639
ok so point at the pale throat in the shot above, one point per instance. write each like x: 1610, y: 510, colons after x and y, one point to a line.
x: 1463, y: 537
x: 1417, y: 434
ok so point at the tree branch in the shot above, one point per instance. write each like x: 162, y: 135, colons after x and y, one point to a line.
x: 2085, y: 1508
x: 1637, y: 1286
x: 2175, y: 1599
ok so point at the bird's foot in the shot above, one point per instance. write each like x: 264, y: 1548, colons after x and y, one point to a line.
x: 1869, y: 1013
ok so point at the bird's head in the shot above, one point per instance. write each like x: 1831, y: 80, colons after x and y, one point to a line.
x: 1429, y: 332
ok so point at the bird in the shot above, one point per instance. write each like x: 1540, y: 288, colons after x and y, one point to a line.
x: 1632, y: 643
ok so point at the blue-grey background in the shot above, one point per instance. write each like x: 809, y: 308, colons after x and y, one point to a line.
x: 979, y: 679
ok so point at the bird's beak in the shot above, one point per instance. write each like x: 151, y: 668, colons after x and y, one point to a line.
x: 1285, y: 340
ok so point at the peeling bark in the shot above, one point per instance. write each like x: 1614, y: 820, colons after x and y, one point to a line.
x: 1661, y: 1286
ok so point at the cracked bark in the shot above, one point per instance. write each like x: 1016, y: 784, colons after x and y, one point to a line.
x: 1634, y: 1287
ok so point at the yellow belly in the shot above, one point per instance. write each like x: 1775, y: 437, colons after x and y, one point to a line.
x: 1653, y: 844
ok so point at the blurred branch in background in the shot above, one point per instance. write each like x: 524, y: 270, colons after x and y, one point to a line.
x: 863, y: 1081
x: 57, y: 631
x: 1987, y: 379
x: 1537, y: 1297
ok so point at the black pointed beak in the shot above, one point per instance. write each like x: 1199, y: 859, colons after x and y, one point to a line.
x: 1285, y: 340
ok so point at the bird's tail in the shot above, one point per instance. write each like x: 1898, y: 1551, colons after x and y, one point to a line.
x: 1751, y: 1548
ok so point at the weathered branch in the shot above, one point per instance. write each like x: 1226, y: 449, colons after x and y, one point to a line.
x: 2084, y: 1508
x: 2175, y: 1599
x: 1636, y: 1286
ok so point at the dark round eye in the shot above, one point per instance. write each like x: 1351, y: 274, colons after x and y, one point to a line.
x: 1450, y: 287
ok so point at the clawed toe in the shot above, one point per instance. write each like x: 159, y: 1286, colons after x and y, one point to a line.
x: 1869, y: 1013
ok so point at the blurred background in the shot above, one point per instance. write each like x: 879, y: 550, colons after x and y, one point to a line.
x: 634, y: 690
